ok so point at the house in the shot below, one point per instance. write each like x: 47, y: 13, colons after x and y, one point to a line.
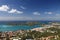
x: 15, y: 39
x: 29, y: 39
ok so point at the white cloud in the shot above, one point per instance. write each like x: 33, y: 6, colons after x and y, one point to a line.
x: 22, y: 7
x: 15, y: 11
x: 4, y: 8
x: 48, y: 12
x: 36, y: 13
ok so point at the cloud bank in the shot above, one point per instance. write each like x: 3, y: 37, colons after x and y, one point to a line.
x: 14, y: 18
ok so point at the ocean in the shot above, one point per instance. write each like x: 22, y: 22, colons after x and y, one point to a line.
x: 15, y: 28
x: 4, y: 27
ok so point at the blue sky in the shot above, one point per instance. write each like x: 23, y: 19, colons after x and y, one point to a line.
x: 11, y: 10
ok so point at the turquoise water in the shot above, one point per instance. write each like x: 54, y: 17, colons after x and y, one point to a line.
x: 15, y: 28
x: 4, y: 27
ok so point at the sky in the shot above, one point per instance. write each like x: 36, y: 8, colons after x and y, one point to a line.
x: 17, y: 10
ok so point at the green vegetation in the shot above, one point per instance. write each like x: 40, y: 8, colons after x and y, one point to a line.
x: 37, y: 34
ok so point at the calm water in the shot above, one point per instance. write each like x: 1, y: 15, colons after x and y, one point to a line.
x: 4, y: 27
x: 15, y: 28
